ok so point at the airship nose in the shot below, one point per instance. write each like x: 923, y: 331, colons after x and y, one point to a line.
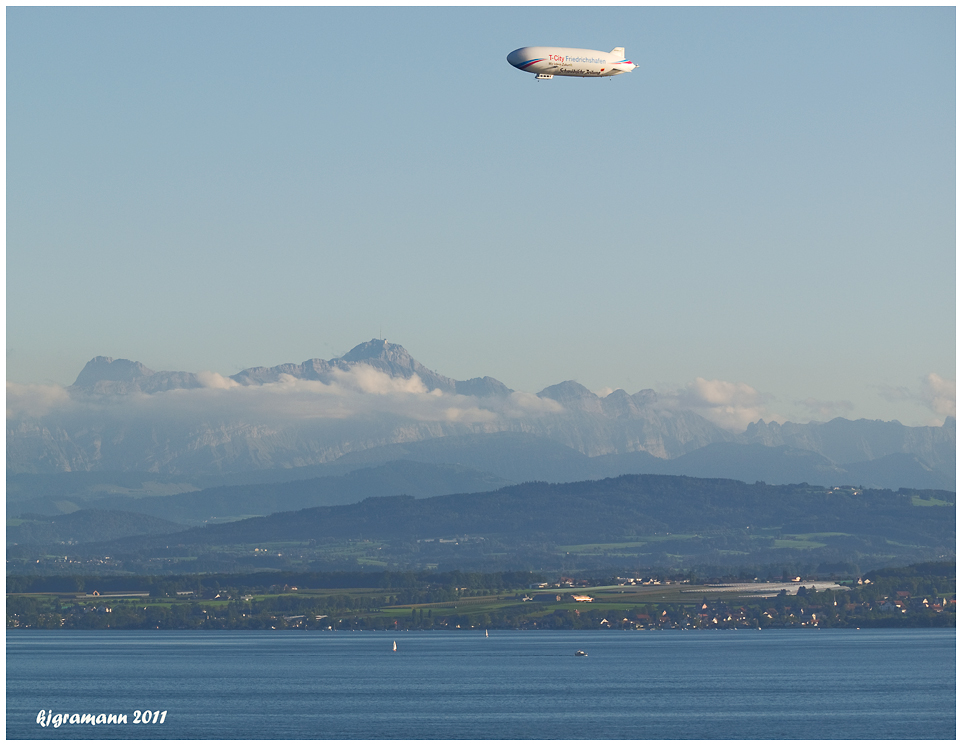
x: 516, y: 57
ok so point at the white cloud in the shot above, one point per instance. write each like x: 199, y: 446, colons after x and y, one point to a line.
x: 370, y: 380
x: 520, y: 404
x: 469, y: 414
x: 34, y: 400
x: 939, y: 394
x: 935, y: 393
x: 732, y: 406
x: 210, y: 380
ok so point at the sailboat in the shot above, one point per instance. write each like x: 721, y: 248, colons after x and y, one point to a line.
x: 486, y: 633
x: 395, y: 646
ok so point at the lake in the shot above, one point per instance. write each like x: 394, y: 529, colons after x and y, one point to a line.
x: 824, y: 684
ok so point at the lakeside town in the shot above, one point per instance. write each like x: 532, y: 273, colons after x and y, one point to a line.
x: 918, y: 596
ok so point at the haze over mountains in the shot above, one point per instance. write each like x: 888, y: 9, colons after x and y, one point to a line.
x: 377, y: 404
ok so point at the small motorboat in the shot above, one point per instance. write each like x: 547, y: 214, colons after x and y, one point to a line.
x: 581, y: 652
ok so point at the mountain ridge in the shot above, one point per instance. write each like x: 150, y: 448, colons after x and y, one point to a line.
x: 232, y: 440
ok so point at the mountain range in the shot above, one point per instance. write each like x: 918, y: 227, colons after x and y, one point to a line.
x: 377, y: 404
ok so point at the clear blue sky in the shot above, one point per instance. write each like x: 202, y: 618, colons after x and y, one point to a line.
x: 768, y: 199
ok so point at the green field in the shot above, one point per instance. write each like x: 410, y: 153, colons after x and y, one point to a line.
x: 929, y: 502
x: 640, y: 542
x: 797, y: 544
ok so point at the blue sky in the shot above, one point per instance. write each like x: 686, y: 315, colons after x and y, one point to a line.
x: 768, y: 200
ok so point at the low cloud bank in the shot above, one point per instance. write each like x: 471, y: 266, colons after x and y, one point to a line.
x: 366, y: 394
x: 34, y: 400
x: 361, y: 393
x: 731, y: 406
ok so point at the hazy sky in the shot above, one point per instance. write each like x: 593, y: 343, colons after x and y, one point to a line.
x: 767, y: 201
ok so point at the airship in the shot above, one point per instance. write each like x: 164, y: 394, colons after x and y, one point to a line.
x: 546, y: 62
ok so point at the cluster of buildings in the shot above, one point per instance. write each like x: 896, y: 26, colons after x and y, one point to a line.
x: 903, y: 602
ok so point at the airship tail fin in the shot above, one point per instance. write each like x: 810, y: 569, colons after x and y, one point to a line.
x: 620, y: 51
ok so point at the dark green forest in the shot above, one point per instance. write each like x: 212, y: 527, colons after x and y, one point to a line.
x: 630, y: 522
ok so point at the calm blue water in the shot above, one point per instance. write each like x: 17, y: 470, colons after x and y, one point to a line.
x: 662, y: 685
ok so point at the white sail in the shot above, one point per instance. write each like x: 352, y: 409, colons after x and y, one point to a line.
x: 395, y: 646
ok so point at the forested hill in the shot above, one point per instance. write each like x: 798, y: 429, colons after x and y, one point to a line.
x: 87, y: 526
x: 607, y: 510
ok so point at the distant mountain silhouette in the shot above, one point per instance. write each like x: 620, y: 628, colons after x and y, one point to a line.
x: 898, y: 470
x: 575, y: 434
x: 847, y: 441
x: 87, y: 526
x: 381, y: 355
x: 515, y: 457
x: 750, y: 462
x: 232, y: 501
x: 104, y: 375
